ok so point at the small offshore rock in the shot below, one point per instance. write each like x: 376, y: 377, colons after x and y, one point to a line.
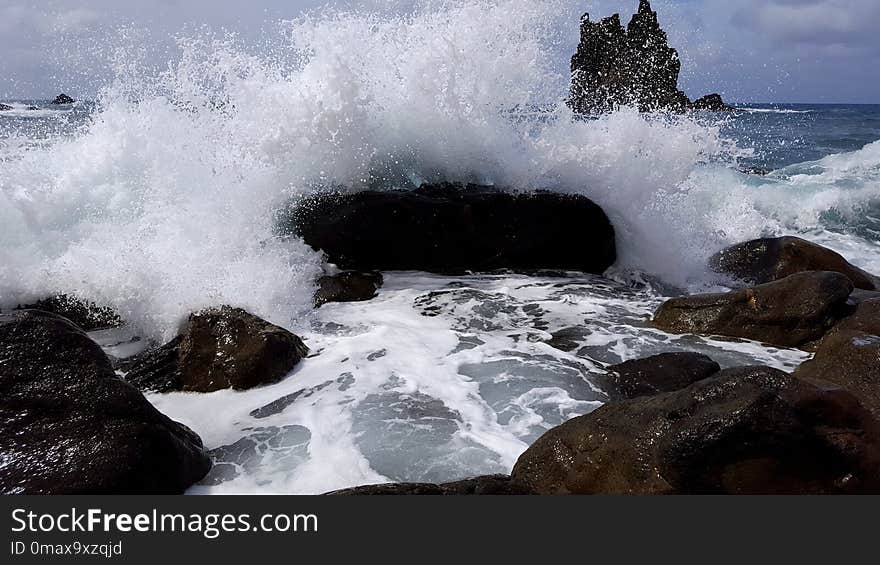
x: 711, y: 103
x: 849, y: 356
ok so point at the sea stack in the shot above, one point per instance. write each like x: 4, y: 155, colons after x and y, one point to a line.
x: 633, y: 66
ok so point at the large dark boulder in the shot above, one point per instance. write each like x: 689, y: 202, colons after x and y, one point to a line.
x: 69, y: 425
x: 5, y: 108
x: 454, y: 229
x: 488, y: 485
x: 661, y: 373
x: 348, y: 286
x: 84, y: 313
x: 765, y: 260
x: 750, y: 430
x: 218, y: 349
x: 849, y: 356
x: 789, y: 313
x: 63, y: 99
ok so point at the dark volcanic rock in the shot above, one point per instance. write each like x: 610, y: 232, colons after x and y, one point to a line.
x: 634, y: 66
x: 218, y: 349
x: 488, y: 485
x: 453, y: 229
x: 155, y: 370
x: 348, y: 286
x: 849, y: 356
x: 711, y: 103
x: 84, y: 313
x: 666, y: 372
x: 5, y: 108
x: 63, y: 99
x: 750, y: 430
x: 69, y: 425
x: 766, y: 260
x: 789, y: 313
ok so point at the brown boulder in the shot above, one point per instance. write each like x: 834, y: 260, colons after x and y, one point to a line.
x: 661, y: 373
x: 750, y: 430
x: 765, y: 260
x: 789, y: 313
x: 218, y: 349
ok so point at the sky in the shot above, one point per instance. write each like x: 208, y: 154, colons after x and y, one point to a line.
x: 747, y: 50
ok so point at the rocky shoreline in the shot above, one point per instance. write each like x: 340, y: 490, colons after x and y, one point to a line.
x: 674, y: 423
x: 73, y: 420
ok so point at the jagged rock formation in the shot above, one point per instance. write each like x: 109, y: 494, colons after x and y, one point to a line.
x: 633, y: 66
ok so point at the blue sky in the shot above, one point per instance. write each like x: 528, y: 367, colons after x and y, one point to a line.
x: 748, y: 50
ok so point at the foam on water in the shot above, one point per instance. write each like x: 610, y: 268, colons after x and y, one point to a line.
x: 436, y: 379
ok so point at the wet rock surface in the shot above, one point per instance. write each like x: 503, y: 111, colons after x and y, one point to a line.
x: 750, y: 430
x: 69, y: 425
x: 766, y: 260
x: 849, y: 356
x: 661, y: 373
x: 218, y: 349
x: 790, y: 312
x: 488, y: 485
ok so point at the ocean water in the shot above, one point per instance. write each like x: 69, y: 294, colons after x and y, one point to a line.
x: 162, y: 197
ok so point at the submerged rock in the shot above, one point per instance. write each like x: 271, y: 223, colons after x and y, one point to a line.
x: 218, y: 349
x: 789, y: 313
x: 348, y: 286
x: 666, y: 372
x: 5, y: 108
x: 84, y: 313
x: 454, y: 229
x: 765, y: 260
x: 69, y: 425
x: 63, y: 99
x: 488, y: 485
x: 633, y: 66
x: 750, y: 430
